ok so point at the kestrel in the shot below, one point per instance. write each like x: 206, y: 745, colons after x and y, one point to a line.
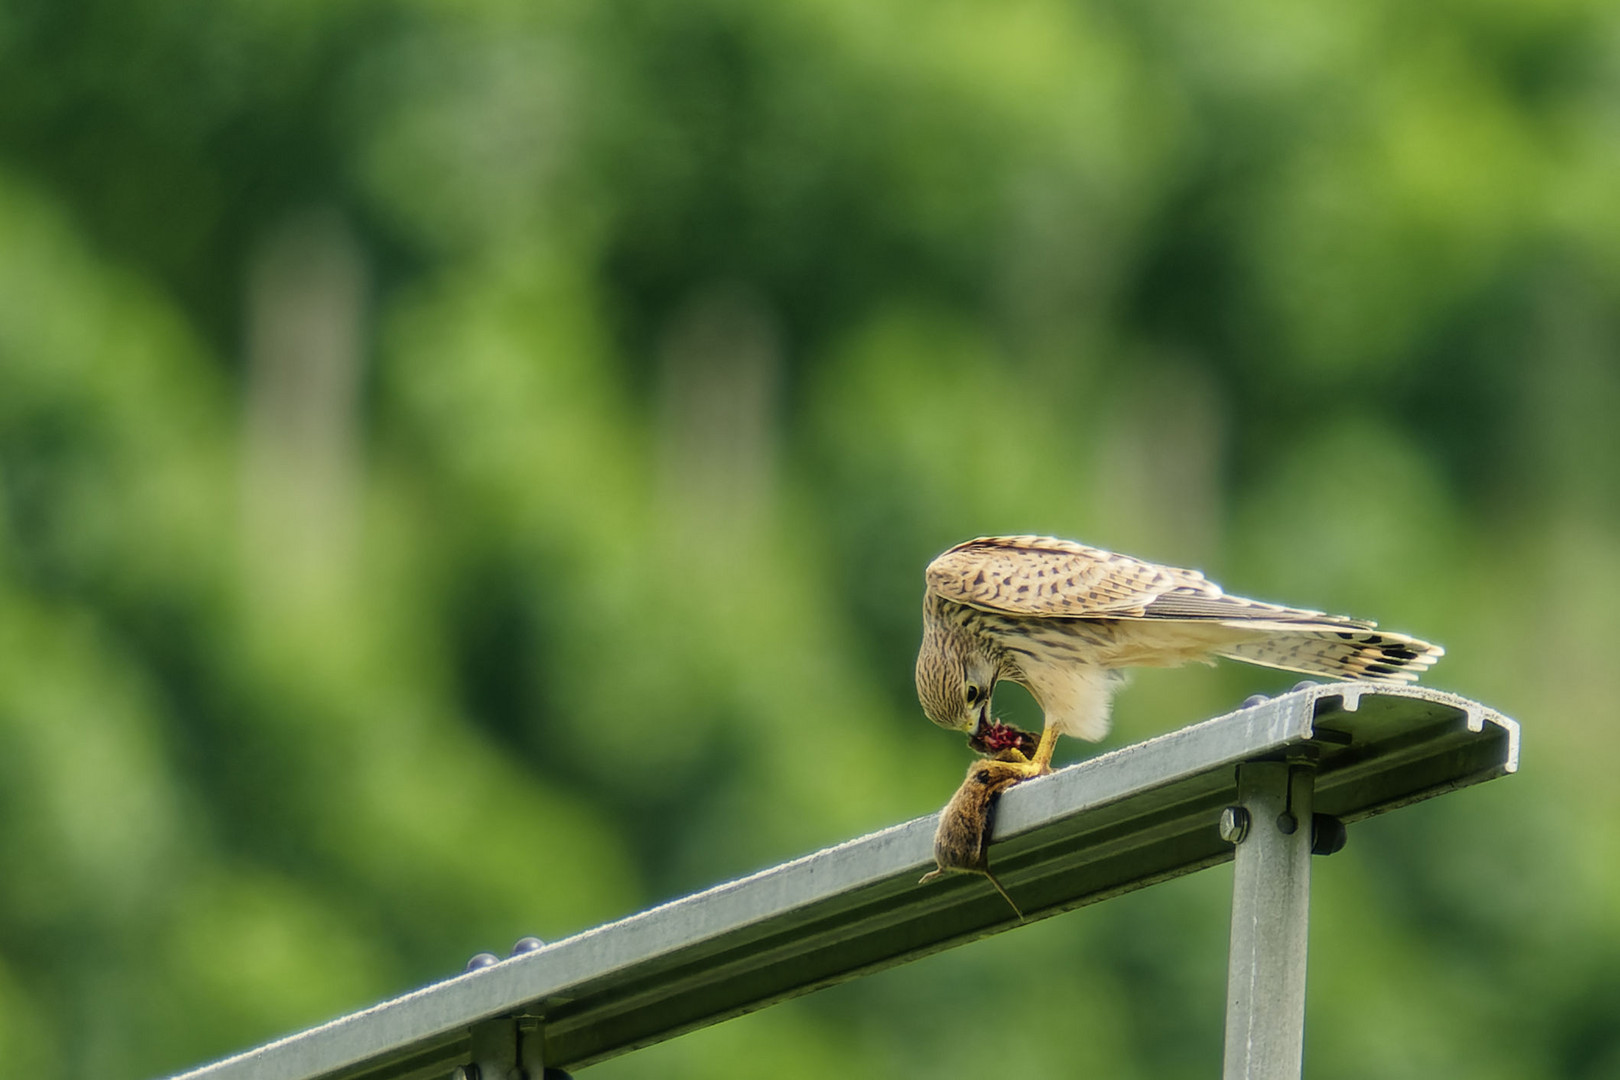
x: 1061, y: 619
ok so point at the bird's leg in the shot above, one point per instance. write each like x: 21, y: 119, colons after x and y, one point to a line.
x: 1003, y: 742
x: 1040, y: 763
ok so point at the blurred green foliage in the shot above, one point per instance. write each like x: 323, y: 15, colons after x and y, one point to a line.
x: 466, y: 469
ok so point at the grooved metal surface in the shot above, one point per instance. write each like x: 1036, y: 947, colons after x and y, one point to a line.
x: 1120, y: 821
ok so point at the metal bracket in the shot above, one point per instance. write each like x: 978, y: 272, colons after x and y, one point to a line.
x: 507, y: 1048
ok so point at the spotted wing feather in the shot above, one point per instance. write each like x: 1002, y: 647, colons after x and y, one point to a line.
x: 1040, y: 575
x: 1341, y: 654
x: 1046, y: 577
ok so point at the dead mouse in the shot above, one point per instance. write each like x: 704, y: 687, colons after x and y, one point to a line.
x: 962, y: 841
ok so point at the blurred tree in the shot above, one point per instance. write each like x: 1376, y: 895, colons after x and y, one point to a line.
x: 465, y: 472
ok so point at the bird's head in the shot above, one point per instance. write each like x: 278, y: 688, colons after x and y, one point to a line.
x: 955, y: 683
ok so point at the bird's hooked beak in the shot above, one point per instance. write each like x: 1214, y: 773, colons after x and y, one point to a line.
x: 981, y: 718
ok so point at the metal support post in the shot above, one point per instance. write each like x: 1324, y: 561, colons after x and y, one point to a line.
x: 1271, y: 884
x: 507, y: 1048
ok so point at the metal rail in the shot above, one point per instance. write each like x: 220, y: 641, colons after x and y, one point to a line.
x: 1139, y: 815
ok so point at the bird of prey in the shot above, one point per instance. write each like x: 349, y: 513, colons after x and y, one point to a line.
x: 1061, y: 619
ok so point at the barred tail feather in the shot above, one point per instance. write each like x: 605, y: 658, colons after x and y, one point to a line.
x: 1341, y: 654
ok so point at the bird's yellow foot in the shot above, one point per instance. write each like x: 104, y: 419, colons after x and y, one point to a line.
x: 1013, y: 745
x: 1026, y: 769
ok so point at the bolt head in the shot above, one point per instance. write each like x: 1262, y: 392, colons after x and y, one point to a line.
x: 1234, y: 824
x: 1327, y: 834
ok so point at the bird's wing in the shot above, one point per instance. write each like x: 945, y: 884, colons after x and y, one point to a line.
x: 1041, y: 575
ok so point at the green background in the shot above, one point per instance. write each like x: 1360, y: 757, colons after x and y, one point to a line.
x: 466, y: 471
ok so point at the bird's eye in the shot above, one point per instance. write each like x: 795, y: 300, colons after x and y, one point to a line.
x: 972, y: 693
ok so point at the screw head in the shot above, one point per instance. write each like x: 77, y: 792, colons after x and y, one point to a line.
x: 1234, y: 824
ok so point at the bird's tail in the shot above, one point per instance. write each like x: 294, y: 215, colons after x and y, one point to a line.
x: 1338, y: 653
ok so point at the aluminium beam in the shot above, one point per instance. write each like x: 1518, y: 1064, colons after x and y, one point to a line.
x: 1117, y: 822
